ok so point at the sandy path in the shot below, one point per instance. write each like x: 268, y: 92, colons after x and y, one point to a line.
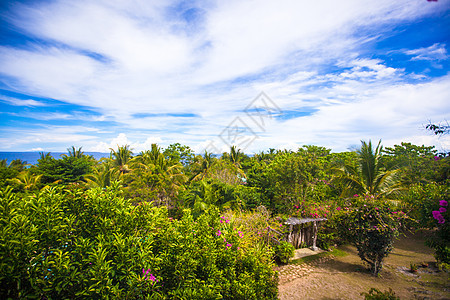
x: 345, y: 277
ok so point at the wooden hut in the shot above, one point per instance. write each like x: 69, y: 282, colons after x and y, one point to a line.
x: 303, y: 231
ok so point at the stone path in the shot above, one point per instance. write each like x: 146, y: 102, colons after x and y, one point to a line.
x: 302, y: 252
x: 291, y: 272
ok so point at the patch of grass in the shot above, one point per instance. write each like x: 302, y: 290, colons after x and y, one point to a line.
x: 312, y: 258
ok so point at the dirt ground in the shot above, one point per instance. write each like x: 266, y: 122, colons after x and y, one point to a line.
x: 345, y: 277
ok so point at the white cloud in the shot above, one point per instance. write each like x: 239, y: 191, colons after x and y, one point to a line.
x: 21, y: 102
x: 126, y: 57
x: 122, y: 140
x: 434, y: 52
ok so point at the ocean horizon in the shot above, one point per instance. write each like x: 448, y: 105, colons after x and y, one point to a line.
x: 32, y: 157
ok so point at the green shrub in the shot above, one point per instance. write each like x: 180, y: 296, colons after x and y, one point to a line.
x: 422, y: 199
x: 376, y: 294
x: 326, y: 240
x: 284, y: 251
x: 70, y: 243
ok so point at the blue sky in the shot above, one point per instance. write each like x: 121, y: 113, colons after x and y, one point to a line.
x: 208, y: 74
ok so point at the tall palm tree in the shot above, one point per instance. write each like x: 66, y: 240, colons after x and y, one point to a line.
x: 163, y: 177
x: 148, y: 157
x: 203, y: 165
x: 368, y: 177
x: 103, y: 176
x: 73, y: 152
x: 44, y: 156
x: 236, y: 156
x: 121, y: 158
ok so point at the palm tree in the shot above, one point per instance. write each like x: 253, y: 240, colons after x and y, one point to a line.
x: 203, y: 166
x: 148, y: 157
x: 103, y: 176
x: 236, y: 156
x: 73, y: 152
x: 44, y: 156
x: 29, y: 180
x: 201, y: 197
x: 121, y: 158
x: 162, y: 176
x: 368, y: 177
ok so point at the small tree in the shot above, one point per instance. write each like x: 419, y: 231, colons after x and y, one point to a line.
x: 371, y: 227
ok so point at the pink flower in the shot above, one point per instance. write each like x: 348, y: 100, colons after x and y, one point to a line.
x: 436, y: 214
x: 442, y: 209
x: 218, y: 232
x: 355, y: 195
x: 145, y: 274
x: 443, y: 203
x: 338, y: 208
x: 229, y: 245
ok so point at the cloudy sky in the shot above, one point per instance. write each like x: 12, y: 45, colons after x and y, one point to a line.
x: 208, y: 74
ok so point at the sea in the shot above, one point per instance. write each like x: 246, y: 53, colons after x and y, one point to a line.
x: 32, y: 157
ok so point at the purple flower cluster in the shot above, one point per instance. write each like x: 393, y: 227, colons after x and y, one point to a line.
x: 437, y: 214
x: 223, y: 219
x: 151, y: 276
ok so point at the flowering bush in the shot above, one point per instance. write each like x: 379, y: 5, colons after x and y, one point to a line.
x: 311, y: 210
x: 422, y: 199
x: 70, y: 243
x: 371, y: 226
x: 441, y: 240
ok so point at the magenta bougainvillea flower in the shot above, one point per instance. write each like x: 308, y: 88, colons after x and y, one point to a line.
x: 151, y: 276
x: 442, y: 209
x: 443, y: 203
x: 436, y: 214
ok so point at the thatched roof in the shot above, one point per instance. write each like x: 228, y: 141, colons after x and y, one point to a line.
x: 295, y: 221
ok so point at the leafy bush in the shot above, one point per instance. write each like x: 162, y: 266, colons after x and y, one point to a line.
x: 371, y: 226
x: 326, y: 240
x: 70, y: 243
x: 67, y: 169
x: 423, y: 199
x: 376, y: 294
x: 284, y: 251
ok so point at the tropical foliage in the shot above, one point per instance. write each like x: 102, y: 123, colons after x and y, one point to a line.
x: 67, y: 243
x: 166, y: 223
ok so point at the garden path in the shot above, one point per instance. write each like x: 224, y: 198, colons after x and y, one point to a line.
x: 345, y: 277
